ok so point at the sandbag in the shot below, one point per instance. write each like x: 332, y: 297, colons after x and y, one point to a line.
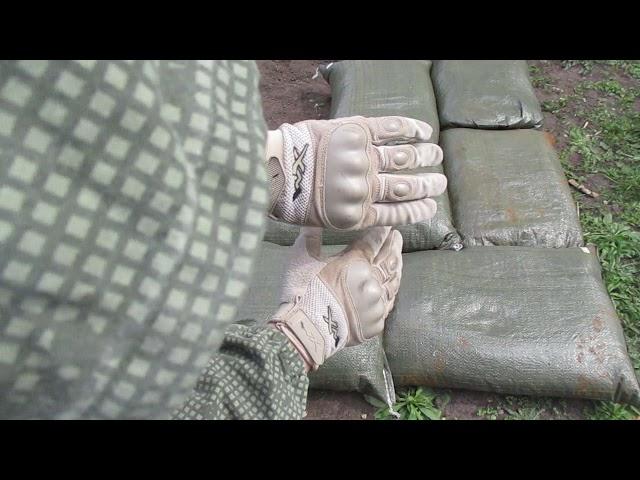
x: 377, y: 88
x: 362, y: 368
x: 511, y: 320
x: 489, y: 94
x: 508, y: 188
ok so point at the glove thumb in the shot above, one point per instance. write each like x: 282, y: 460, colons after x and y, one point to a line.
x: 304, y: 263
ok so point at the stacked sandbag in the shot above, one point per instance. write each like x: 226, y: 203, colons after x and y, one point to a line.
x: 505, y: 315
x: 378, y: 88
x: 508, y: 188
x: 513, y: 320
x: 362, y: 368
x: 486, y: 94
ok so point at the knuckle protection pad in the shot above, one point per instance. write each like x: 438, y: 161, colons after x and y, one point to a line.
x: 391, y: 125
x: 400, y: 157
x: 346, y: 183
x: 398, y: 189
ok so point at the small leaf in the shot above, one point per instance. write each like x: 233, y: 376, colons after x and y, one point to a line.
x: 432, y: 413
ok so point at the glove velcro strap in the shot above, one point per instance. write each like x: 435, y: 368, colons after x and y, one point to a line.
x: 304, y: 335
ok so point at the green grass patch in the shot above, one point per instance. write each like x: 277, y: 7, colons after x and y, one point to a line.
x: 538, y: 78
x: 607, y: 139
x: 555, y: 106
x: 416, y: 404
x: 629, y: 67
x: 611, y: 411
x: 523, y: 408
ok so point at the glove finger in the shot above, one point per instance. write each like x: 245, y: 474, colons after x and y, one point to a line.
x: 389, y: 258
x: 370, y: 242
x: 404, y: 213
x: 397, y: 130
x: 309, y: 241
x: 405, y: 157
x: 389, y: 263
x: 402, y: 188
x: 392, y: 286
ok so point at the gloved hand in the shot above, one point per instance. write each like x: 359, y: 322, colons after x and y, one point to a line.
x: 342, y: 300
x: 339, y: 173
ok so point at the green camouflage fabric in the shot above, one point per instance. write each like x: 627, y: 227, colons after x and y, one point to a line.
x: 256, y: 375
x: 132, y: 199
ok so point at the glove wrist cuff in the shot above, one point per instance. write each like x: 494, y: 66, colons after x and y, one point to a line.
x: 290, y: 202
x: 304, y: 336
x: 275, y: 170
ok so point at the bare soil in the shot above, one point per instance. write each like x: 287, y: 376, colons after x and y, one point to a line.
x: 290, y: 94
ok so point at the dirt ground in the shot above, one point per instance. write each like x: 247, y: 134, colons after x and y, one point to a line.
x: 290, y: 94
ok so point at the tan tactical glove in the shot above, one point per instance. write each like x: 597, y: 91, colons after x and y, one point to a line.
x: 342, y: 300
x: 339, y: 174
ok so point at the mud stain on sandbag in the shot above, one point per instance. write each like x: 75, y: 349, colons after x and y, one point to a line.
x: 439, y: 363
x: 598, y: 323
x: 512, y: 217
x: 550, y: 138
x: 592, y: 351
x: 583, y: 387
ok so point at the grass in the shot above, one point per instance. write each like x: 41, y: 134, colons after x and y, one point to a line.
x: 415, y: 404
x: 612, y: 411
x: 630, y: 67
x: 538, y: 79
x: 555, y: 105
x: 523, y: 408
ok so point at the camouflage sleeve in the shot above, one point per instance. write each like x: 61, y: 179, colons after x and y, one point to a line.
x: 256, y: 375
x: 132, y: 205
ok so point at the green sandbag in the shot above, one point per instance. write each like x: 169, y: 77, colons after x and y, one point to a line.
x: 377, y: 88
x: 508, y: 188
x: 489, y: 94
x: 362, y: 368
x: 511, y: 320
